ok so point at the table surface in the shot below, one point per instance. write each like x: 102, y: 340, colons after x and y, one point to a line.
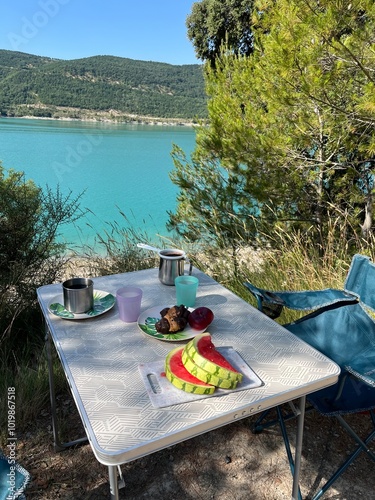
x: 101, y: 358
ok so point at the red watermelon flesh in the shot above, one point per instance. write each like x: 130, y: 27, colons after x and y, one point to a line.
x: 207, y: 349
x: 178, y: 369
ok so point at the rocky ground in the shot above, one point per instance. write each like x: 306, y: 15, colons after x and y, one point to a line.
x: 230, y: 463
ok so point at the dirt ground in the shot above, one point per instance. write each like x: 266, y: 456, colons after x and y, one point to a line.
x: 230, y: 463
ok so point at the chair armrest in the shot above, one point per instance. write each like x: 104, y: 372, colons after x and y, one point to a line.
x: 363, y: 367
x: 267, y: 302
x: 304, y: 300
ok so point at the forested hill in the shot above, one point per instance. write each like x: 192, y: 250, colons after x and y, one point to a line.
x: 99, y: 86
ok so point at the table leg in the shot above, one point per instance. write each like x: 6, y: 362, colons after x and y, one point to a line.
x: 58, y: 445
x: 113, y: 483
x: 298, y: 453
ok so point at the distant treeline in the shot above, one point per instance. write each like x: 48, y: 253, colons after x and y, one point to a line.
x: 40, y: 86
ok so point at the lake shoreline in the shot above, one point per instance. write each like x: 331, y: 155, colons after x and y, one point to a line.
x: 111, y: 116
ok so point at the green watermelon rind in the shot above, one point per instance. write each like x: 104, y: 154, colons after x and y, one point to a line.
x: 205, y: 376
x: 210, y: 366
x: 182, y: 384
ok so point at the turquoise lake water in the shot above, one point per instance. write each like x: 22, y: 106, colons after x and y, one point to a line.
x: 119, y: 166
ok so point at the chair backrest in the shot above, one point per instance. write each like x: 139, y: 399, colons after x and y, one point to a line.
x: 346, y: 334
x: 342, y: 327
x: 360, y: 280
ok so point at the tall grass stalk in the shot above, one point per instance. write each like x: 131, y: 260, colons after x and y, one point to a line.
x: 31, y: 384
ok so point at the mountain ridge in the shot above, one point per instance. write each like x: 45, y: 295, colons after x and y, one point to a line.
x: 116, y: 87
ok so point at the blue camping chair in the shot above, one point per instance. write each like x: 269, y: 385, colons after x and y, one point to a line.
x: 341, y: 327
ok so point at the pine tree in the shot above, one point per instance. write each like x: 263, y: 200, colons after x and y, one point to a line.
x: 293, y: 123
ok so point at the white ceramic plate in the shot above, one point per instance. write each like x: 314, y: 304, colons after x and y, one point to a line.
x: 103, y: 302
x: 148, y: 318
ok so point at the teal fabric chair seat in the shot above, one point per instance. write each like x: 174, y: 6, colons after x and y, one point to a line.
x: 340, y: 324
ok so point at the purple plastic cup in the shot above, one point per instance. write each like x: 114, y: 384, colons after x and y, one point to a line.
x: 129, y: 300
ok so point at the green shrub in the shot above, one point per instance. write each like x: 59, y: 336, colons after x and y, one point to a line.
x: 30, y: 256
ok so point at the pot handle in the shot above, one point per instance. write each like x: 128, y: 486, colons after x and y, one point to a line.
x: 187, y: 261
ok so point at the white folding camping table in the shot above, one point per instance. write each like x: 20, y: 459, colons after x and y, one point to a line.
x: 129, y: 410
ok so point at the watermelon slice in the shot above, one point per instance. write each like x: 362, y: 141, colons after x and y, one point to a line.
x: 177, y: 374
x: 206, y: 376
x: 202, y: 352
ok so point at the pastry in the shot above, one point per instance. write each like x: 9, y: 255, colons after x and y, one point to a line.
x: 173, y: 319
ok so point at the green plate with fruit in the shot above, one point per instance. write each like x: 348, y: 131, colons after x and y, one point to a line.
x: 148, y: 318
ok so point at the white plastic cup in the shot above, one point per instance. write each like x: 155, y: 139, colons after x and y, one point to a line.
x: 129, y: 300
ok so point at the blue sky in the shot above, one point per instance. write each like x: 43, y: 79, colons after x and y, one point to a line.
x: 151, y: 30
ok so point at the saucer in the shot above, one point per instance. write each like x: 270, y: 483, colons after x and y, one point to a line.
x: 103, y: 302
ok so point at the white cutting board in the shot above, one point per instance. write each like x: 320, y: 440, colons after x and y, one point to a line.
x: 162, y: 393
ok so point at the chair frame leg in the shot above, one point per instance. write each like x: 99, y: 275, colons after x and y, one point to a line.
x: 362, y: 446
x: 259, y: 427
